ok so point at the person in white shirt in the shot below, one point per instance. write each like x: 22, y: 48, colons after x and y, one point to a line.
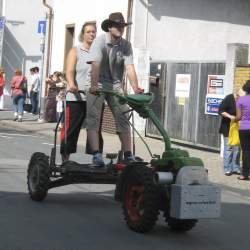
x: 34, y: 91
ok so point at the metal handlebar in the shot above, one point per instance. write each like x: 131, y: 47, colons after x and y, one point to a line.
x: 79, y: 91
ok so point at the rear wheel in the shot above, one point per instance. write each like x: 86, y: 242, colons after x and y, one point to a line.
x: 140, y: 206
x: 38, y: 176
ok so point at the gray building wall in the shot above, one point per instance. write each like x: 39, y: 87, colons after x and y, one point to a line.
x: 183, y: 30
x: 1, y: 7
x: 21, y: 42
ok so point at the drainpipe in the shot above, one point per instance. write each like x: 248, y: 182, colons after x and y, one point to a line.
x: 128, y: 35
x: 50, y: 18
x: 129, y: 19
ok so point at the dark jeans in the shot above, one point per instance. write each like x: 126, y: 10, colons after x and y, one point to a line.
x: 34, y: 102
x: 245, y: 147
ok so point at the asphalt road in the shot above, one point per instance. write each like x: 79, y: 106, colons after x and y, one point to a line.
x: 87, y: 217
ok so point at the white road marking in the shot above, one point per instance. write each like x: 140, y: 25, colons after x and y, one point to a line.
x: 50, y: 144
x: 34, y: 136
x: 13, y: 162
x: 6, y: 137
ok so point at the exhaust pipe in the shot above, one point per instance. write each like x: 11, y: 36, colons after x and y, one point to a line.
x: 164, y: 178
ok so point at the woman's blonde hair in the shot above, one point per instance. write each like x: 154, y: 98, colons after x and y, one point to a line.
x: 18, y: 72
x: 89, y: 23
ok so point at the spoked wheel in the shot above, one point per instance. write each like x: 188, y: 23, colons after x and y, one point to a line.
x: 38, y: 176
x: 139, y: 198
x: 135, y: 201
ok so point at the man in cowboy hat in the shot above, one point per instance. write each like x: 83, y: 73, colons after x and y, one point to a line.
x: 110, y: 55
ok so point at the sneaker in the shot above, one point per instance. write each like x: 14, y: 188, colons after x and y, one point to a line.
x: 236, y: 173
x: 15, y: 119
x: 97, y: 160
x: 130, y: 158
x: 228, y: 173
x: 19, y: 120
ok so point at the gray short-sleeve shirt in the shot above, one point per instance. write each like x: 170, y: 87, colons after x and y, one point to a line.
x: 112, y: 58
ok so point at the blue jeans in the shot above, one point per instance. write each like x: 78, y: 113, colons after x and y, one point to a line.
x: 18, y: 102
x: 34, y: 102
x: 231, y: 157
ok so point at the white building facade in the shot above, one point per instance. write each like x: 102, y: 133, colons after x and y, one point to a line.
x: 69, y: 16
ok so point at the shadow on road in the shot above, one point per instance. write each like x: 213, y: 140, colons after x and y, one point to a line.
x: 94, y: 220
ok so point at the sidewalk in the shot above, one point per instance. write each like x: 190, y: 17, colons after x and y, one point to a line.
x: 213, y: 162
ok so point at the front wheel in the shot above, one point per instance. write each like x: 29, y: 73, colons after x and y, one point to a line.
x: 38, y: 176
x: 139, y: 199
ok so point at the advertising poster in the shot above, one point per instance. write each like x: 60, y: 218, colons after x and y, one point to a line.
x: 182, y: 86
x: 215, y: 84
x: 215, y: 94
x: 212, y: 104
x: 181, y: 101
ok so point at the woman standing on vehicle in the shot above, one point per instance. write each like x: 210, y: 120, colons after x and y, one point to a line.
x: 78, y: 79
x: 18, y: 92
x: 243, y: 115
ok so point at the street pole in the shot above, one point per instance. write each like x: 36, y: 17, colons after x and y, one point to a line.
x: 42, y: 49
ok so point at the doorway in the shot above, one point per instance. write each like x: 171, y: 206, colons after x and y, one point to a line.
x: 69, y: 41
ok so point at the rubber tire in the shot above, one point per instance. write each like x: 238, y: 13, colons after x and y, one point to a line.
x: 181, y: 225
x: 144, y: 176
x: 178, y: 224
x: 39, y: 191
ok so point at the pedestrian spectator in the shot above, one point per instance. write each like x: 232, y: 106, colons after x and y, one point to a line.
x: 2, y: 84
x: 50, y: 100
x: 51, y: 93
x: 18, y: 89
x: 110, y: 54
x: 78, y: 79
x: 60, y: 98
x: 231, y: 154
x: 243, y: 115
x: 34, y: 91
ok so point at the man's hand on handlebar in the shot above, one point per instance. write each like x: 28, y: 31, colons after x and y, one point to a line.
x: 139, y: 90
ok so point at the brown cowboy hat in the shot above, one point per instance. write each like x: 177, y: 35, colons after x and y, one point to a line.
x: 114, y: 18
